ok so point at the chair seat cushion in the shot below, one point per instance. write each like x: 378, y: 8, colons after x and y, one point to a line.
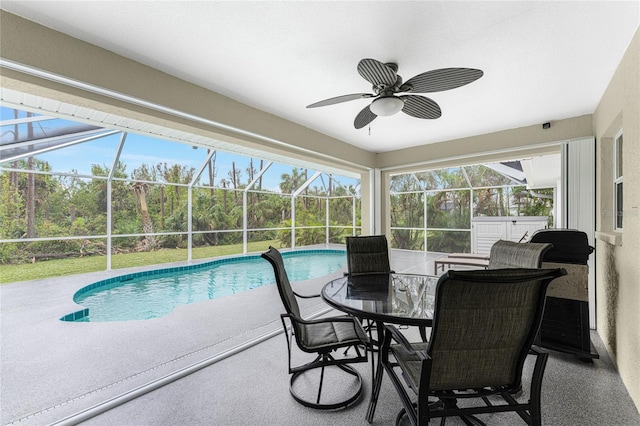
x: 331, y: 334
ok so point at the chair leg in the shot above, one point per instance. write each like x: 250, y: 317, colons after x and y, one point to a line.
x: 467, y: 419
x: 320, y: 387
x: 536, y: 389
x: 472, y: 421
x: 400, y: 415
x: 317, y: 404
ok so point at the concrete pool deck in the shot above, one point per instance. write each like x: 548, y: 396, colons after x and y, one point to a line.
x: 53, y: 369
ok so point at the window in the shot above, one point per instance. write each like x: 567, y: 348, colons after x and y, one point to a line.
x: 617, y: 181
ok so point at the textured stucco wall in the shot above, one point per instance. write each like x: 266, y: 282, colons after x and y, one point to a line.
x: 617, y: 266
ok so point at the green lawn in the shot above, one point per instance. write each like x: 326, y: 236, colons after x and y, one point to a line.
x: 62, y: 267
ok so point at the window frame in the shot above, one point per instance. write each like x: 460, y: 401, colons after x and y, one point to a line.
x: 618, y: 174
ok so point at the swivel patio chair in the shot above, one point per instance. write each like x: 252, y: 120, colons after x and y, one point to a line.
x: 484, y: 325
x: 509, y: 254
x: 320, y: 336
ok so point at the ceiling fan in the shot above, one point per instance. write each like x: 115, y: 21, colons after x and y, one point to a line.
x: 387, y: 84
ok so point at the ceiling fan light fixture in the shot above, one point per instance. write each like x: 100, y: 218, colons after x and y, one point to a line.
x: 386, y: 84
x: 387, y: 105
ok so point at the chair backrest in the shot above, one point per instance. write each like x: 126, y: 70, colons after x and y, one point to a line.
x: 509, y: 254
x: 367, y: 255
x: 282, y: 281
x: 484, y: 324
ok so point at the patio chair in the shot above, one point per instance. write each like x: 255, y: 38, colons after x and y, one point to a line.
x: 367, y: 255
x: 370, y: 255
x: 484, y: 325
x: 509, y: 254
x: 320, y: 336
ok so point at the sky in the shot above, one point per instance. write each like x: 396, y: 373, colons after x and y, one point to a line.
x: 137, y: 150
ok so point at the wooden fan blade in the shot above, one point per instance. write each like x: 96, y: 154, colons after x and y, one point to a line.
x: 339, y: 99
x: 377, y: 73
x: 420, y: 107
x: 363, y: 118
x: 441, y: 79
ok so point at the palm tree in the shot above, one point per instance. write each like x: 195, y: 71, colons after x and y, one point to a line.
x: 290, y: 182
x: 140, y: 189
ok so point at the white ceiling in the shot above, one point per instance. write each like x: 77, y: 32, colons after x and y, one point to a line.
x: 542, y: 60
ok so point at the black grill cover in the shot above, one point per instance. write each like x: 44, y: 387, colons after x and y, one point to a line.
x: 569, y: 245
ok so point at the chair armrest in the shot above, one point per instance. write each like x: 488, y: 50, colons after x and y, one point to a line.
x: 320, y: 320
x: 536, y: 350
x: 395, y: 334
x: 302, y: 296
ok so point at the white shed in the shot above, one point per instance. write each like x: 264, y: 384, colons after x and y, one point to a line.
x: 486, y: 230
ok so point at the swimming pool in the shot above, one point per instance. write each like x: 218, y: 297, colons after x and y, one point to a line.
x: 154, y: 294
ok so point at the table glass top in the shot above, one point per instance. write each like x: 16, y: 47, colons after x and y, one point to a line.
x: 398, y: 298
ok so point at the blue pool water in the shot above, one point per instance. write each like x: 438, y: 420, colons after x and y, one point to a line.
x: 153, y: 294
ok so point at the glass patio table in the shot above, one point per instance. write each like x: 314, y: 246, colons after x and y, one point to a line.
x: 402, y: 299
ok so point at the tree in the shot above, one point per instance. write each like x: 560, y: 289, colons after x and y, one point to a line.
x: 224, y: 184
x: 175, y: 173
x: 140, y: 190
x: 407, y: 211
x: 251, y: 171
x: 11, y: 206
x: 290, y: 182
x: 154, y: 197
x: 234, y: 176
x: 31, y: 201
